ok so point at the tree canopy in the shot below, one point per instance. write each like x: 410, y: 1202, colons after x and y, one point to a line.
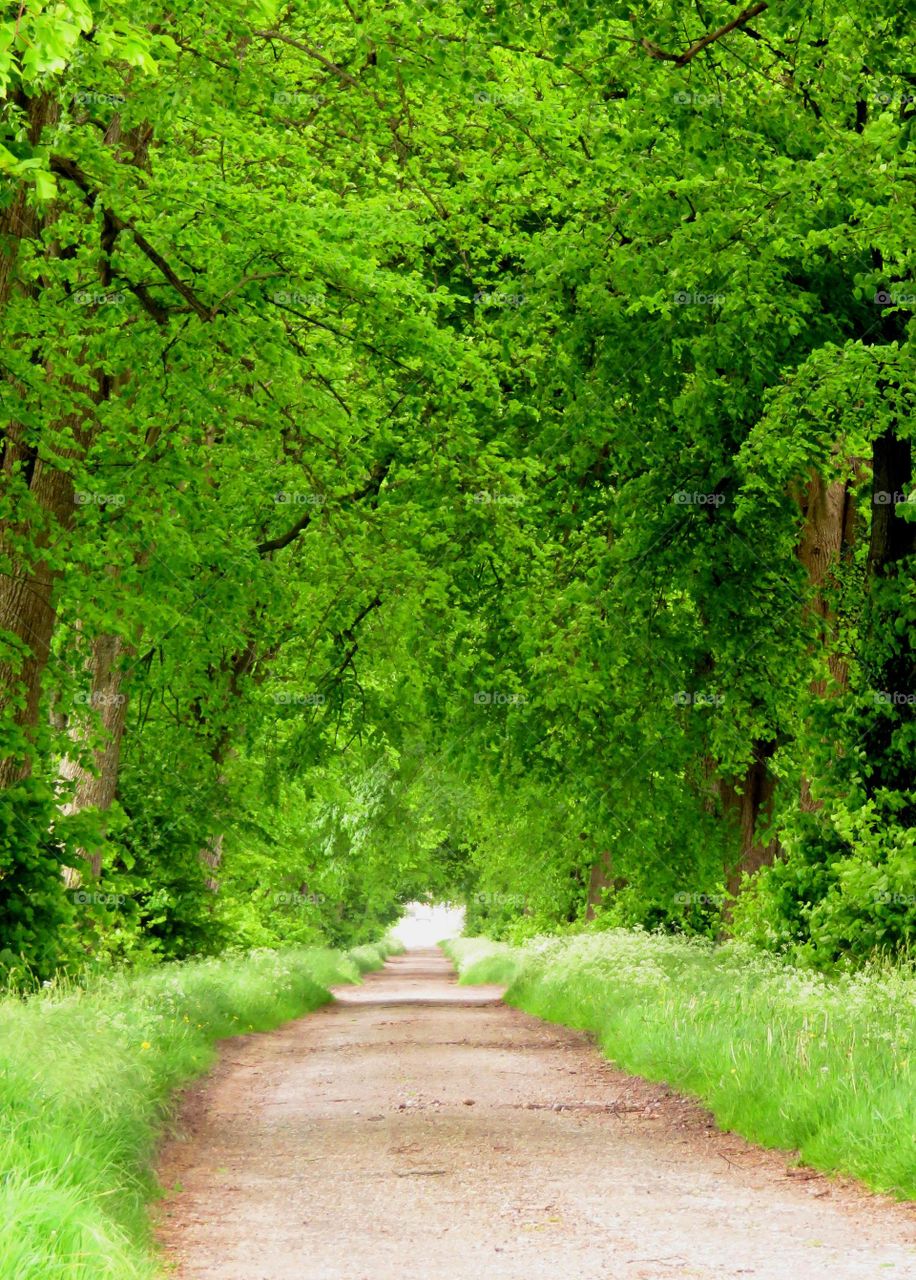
x: 457, y: 450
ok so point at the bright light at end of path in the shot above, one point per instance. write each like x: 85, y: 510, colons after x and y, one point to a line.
x: 423, y: 925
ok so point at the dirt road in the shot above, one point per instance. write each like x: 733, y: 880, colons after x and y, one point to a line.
x: 418, y: 1130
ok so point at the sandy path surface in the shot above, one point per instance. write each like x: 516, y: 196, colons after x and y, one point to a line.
x: 418, y: 1130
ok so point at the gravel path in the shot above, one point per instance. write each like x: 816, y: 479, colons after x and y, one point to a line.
x: 418, y: 1130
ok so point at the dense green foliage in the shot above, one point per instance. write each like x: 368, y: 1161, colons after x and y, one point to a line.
x: 455, y: 449
x: 86, y: 1078
x: 825, y: 1066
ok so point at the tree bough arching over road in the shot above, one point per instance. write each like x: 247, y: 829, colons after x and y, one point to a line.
x: 460, y: 450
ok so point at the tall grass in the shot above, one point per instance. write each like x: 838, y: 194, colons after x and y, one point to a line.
x: 87, y: 1074
x: 788, y: 1058
x: 366, y: 958
x: 480, y: 960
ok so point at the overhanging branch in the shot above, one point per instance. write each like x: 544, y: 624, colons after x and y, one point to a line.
x: 369, y: 489
x: 70, y: 169
x: 681, y: 59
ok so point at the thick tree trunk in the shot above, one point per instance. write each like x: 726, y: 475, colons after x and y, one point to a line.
x: 27, y: 607
x: 27, y: 610
x: 827, y: 535
x: 745, y: 803
x: 27, y: 593
x: 600, y: 879
x: 96, y: 789
x: 828, y: 531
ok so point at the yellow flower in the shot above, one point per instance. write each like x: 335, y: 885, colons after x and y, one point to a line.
x: 145, y: 1045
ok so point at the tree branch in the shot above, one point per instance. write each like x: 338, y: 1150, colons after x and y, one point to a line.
x: 316, y: 54
x: 348, y: 634
x: 370, y: 488
x: 681, y: 59
x: 70, y: 169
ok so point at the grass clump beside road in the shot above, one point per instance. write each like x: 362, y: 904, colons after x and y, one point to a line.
x: 366, y: 958
x: 787, y: 1057
x: 87, y: 1074
x: 479, y: 960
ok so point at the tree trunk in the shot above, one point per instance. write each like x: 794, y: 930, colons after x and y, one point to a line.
x: 26, y: 594
x: 827, y: 535
x: 27, y: 607
x: 211, y: 855
x: 600, y: 879
x: 744, y: 802
x: 828, y: 532
x: 96, y: 789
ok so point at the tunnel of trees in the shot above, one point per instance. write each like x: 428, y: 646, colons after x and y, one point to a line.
x: 455, y: 450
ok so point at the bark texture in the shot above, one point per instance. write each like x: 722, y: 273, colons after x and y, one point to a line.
x: 96, y: 788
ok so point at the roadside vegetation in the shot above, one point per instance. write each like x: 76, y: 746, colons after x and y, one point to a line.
x: 88, y: 1079
x: 822, y: 1065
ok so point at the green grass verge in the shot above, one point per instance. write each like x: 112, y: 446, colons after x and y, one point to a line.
x: 479, y: 960
x: 87, y: 1079
x: 372, y: 956
x: 825, y: 1066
